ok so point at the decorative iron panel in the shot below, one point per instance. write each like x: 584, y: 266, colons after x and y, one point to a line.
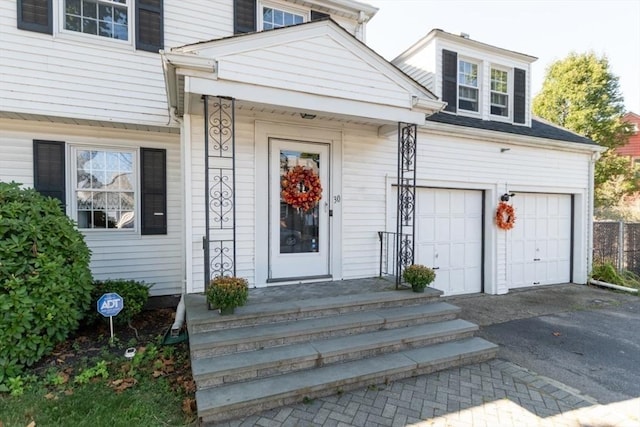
x: 406, y: 200
x: 220, y: 183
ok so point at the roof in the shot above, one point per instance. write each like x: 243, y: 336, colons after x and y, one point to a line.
x: 539, y: 128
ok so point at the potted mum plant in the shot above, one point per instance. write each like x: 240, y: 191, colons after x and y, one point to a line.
x: 418, y: 276
x: 227, y: 293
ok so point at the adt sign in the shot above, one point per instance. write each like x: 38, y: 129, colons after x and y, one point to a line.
x: 110, y: 304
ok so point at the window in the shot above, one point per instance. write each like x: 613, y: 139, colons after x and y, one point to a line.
x: 105, y: 18
x: 105, y: 189
x: 499, y: 93
x: 468, y: 86
x: 277, y: 18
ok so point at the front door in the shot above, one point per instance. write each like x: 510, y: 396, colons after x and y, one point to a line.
x: 298, y: 210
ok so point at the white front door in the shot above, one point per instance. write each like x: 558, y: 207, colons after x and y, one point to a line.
x: 449, y: 238
x: 539, y: 245
x: 298, y: 232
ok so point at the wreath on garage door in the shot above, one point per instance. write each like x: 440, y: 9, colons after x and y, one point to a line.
x: 505, y: 216
x: 301, y: 188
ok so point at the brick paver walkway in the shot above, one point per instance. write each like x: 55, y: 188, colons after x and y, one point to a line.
x: 495, y: 393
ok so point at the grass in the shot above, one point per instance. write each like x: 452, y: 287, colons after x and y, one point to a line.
x: 86, y: 382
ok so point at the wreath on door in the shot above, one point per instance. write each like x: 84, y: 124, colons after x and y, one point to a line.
x: 505, y: 216
x: 301, y: 188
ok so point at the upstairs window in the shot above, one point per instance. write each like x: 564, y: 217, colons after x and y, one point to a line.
x: 468, y: 86
x: 499, y: 93
x: 276, y: 18
x: 105, y: 18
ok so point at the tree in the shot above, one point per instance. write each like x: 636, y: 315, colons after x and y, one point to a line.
x: 581, y: 93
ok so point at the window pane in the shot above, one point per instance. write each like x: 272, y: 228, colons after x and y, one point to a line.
x: 72, y: 23
x: 298, y: 19
x: 98, y: 17
x: 89, y: 9
x: 278, y: 18
x: 105, y: 13
x: 120, y: 32
x: 267, y: 15
x: 105, y: 29
x: 120, y: 15
x: 72, y: 7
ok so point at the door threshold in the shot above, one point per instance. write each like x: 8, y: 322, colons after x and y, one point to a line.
x: 300, y: 278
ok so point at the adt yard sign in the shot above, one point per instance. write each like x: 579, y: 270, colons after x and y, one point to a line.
x: 110, y: 304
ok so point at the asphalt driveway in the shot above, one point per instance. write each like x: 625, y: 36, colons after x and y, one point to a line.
x: 585, y: 337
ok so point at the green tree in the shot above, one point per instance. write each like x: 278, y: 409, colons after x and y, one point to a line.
x: 581, y: 93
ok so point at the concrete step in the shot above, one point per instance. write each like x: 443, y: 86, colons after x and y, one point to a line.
x: 215, y: 343
x: 215, y: 371
x: 201, y: 319
x: 243, y: 399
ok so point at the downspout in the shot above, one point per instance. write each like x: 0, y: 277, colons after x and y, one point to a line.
x: 180, y: 310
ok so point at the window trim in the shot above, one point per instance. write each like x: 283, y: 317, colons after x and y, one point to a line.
x: 508, y: 93
x: 285, y: 7
x: 62, y: 30
x: 72, y: 185
x: 478, y: 64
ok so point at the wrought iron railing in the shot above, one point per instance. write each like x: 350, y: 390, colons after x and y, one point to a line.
x: 388, y: 259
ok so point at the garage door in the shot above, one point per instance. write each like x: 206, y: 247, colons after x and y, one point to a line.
x: 539, y: 246
x: 449, y: 238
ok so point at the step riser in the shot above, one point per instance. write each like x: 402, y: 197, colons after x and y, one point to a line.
x: 249, y: 408
x: 217, y: 323
x: 310, y: 335
x: 286, y: 366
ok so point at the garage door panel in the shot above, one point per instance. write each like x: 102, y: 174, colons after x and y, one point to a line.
x: 541, y: 240
x: 449, y: 238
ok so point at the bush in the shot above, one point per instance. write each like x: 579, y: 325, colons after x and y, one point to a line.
x: 45, y: 281
x: 135, y: 295
x: 228, y: 292
x: 418, y: 276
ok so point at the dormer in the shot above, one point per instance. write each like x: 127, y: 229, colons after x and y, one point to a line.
x: 474, y: 79
x: 261, y: 15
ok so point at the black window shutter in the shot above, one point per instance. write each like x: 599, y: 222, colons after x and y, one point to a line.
x: 149, y: 25
x: 315, y: 15
x: 450, y: 80
x: 35, y: 15
x: 244, y: 16
x: 153, y: 184
x: 48, y: 169
x: 519, y: 95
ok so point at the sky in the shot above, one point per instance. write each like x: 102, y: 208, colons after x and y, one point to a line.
x: 546, y: 29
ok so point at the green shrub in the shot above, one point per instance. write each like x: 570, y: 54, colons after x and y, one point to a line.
x: 418, y: 276
x: 606, y: 272
x: 45, y: 281
x: 228, y: 292
x: 135, y: 295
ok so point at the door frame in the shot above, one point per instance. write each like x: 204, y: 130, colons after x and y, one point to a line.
x: 264, y: 131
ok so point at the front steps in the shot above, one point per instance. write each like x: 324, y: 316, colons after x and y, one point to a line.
x: 271, y: 354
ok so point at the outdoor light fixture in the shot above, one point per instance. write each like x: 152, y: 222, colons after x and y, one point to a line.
x: 506, y: 196
x: 307, y: 116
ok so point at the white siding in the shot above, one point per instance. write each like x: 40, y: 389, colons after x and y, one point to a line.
x: 153, y: 259
x: 88, y: 77
x: 319, y: 65
x: 421, y: 66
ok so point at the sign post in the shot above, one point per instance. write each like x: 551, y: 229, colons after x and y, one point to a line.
x: 110, y: 305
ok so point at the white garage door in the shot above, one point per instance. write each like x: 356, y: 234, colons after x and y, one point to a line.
x: 539, y: 246
x: 449, y: 238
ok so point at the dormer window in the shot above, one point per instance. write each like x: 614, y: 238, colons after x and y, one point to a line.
x: 499, y: 93
x: 468, y: 86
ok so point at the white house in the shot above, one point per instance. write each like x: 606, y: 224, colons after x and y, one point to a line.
x: 169, y: 129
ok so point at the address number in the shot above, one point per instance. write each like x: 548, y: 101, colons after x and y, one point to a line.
x: 336, y: 199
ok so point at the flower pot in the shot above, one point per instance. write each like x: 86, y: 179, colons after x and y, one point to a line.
x: 226, y: 311
x: 418, y: 289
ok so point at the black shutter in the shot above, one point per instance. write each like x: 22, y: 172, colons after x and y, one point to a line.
x: 48, y: 169
x: 315, y: 15
x: 35, y: 15
x: 153, y: 184
x: 244, y: 16
x: 450, y: 80
x: 519, y: 95
x: 149, y: 25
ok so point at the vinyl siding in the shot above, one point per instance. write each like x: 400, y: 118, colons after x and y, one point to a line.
x: 89, y: 77
x: 153, y: 259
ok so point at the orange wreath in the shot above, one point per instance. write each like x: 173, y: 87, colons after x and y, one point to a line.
x: 301, y: 188
x: 505, y: 216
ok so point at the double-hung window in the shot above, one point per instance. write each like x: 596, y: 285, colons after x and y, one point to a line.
x: 275, y: 16
x: 104, y: 18
x: 468, y: 91
x: 104, y: 194
x: 499, y: 93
